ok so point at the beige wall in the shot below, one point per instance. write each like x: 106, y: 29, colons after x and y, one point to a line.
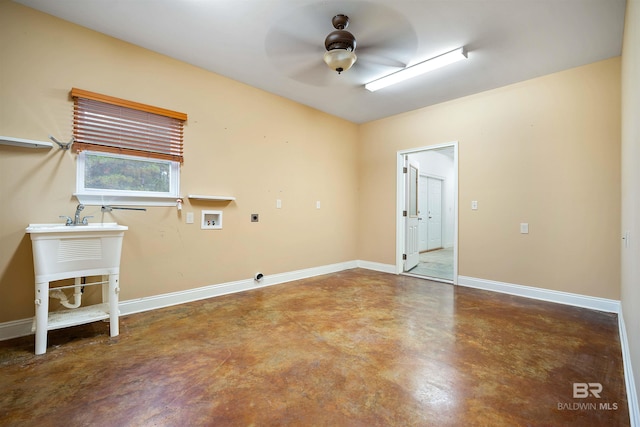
x: 239, y: 141
x: 631, y: 181
x: 544, y: 151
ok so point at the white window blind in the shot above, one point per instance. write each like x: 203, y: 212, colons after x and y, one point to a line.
x: 107, y: 124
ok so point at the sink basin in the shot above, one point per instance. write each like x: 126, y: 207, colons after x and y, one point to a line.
x: 62, y: 251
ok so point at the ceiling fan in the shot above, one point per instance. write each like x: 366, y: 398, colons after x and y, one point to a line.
x: 294, y: 43
x: 340, y: 45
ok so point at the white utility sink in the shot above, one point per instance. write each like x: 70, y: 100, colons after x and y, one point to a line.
x: 74, y: 251
x: 62, y: 251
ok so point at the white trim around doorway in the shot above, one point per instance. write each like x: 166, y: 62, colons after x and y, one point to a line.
x: 400, y: 204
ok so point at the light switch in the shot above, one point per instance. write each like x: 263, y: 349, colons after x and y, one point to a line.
x: 189, y: 218
x: 318, y: 204
x: 278, y: 204
x: 524, y: 228
x: 474, y: 205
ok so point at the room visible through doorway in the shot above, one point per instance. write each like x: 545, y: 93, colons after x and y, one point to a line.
x: 427, y: 224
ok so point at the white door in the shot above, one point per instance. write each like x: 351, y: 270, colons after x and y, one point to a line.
x: 422, y: 213
x: 434, y: 213
x: 412, y: 234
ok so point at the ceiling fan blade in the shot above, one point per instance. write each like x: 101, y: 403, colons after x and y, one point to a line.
x: 315, y: 73
x: 282, y: 42
x: 375, y: 55
x: 398, y: 49
x: 383, y: 35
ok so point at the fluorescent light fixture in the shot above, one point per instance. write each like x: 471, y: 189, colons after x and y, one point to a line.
x: 417, y: 69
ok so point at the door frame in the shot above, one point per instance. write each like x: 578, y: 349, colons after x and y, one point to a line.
x: 401, y: 202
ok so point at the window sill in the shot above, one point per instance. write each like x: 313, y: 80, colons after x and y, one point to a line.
x: 121, y: 200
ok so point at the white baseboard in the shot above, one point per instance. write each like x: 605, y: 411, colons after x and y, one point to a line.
x: 377, y: 266
x: 22, y: 327
x: 632, y: 395
x: 15, y: 329
x: 594, y: 303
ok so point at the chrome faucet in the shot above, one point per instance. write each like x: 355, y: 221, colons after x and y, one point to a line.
x: 76, y: 219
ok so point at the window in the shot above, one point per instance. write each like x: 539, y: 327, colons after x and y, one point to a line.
x: 129, y: 153
x: 118, y: 174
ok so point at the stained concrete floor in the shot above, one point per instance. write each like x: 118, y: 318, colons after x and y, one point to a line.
x: 356, y: 348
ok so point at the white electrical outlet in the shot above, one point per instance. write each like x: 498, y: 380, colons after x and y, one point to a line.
x: 474, y: 205
x: 189, y: 218
x: 318, y: 204
x: 524, y: 228
x: 278, y: 204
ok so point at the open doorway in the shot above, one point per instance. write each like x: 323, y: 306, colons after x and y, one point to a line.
x: 427, y: 219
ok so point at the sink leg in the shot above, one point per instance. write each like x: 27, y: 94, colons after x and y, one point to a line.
x: 105, y: 288
x: 42, y: 316
x: 114, y: 290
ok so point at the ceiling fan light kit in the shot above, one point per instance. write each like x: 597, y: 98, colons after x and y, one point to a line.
x: 340, y: 45
x: 340, y: 59
x: 418, y: 69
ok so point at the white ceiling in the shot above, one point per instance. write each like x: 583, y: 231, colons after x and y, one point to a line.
x: 277, y: 45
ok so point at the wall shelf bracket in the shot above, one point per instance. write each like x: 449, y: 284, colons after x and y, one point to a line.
x: 63, y: 145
